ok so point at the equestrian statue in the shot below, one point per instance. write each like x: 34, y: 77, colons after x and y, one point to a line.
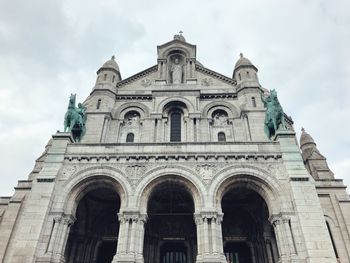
x: 75, y: 119
x: 274, y: 116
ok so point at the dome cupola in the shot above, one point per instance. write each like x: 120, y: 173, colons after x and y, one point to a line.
x: 244, y: 70
x: 109, y: 73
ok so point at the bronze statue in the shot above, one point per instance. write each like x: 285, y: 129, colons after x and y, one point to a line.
x: 274, y: 116
x: 75, y: 119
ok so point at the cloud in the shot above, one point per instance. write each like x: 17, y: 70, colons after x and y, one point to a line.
x: 49, y: 49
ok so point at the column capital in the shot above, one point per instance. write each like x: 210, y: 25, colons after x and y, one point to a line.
x: 205, y: 216
x: 64, y: 219
x: 133, y: 216
x: 279, y: 218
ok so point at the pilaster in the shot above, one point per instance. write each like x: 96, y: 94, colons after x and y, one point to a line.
x: 315, y: 243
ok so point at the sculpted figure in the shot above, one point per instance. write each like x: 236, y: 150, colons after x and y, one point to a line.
x: 176, y: 72
x: 274, y: 116
x: 75, y: 119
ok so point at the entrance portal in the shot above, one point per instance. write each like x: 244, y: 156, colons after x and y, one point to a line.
x: 170, y: 235
x: 94, y: 235
x: 247, y: 234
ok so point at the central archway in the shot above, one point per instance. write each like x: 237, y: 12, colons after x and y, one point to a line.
x: 170, y: 234
x: 94, y: 235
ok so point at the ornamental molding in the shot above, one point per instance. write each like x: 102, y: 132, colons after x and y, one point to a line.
x: 216, y: 75
x: 137, y: 76
x: 125, y: 158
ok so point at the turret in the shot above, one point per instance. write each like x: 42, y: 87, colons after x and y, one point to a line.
x: 108, y: 75
x: 244, y: 70
x: 314, y: 161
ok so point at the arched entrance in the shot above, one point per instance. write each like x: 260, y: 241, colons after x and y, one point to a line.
x: 94, y: 235
x: 248, y: 236
x: 170, y: 235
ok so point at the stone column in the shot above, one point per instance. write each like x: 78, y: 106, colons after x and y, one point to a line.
x: 209, y: 236
x: 282, y: 242
x: 59, y: 237
x: 130, y: 240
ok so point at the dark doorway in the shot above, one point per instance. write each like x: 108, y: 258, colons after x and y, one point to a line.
x: 245, y: 228
x: 173, y: 252
x: 237, y: 252
x: 94, y: 235
x: 106, y: 252
x: 170, y: 235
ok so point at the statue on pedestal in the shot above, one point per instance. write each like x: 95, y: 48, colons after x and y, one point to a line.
x: 274, y: 116
x: 176, y: 72
x: 75, y: 119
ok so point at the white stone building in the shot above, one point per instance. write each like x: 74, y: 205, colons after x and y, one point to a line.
x: 175, y: 167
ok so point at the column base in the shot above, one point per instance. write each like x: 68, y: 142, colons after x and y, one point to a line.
x: 50, y: 259
x: 211, y: 258
x: 126, y: 258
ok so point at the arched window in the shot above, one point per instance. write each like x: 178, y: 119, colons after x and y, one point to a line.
x: 98, y: 104
x: 113, y: 78
x: 333, y: 244
x: 221, y: 137
x: 175, y: 127
x: 130, y: 137
x: 105, y: 77
x: 254, y: 102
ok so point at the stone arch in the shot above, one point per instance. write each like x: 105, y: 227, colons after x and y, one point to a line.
x: 166, y: 52
x: 131, y: 106
x: 161, y: 174
x: 89, y: 179
x: 232, y: 111
x: 163, y: 103
x: 252, y: 178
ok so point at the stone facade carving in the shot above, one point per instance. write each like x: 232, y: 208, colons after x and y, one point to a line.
x: 242, y: 194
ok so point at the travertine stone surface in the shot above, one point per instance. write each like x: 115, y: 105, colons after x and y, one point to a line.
x: 37, y: 223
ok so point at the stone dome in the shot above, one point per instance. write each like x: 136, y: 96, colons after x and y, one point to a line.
x: 306, y: 138
x: 242, y: 61
x: 110, y: 64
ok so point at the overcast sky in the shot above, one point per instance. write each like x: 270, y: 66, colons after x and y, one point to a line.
x: 49, y: 49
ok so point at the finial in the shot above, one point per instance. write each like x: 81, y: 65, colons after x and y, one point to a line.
x: 302, y: 129
x: 180, y: 32
x: 113, y: 57
x: 241, y: 55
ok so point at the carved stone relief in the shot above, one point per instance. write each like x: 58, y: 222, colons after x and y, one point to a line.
x: 207, y: 82
x: 206, y: 171
x: 68, y: 171
x: 146, y: 82
x: 135, y: 172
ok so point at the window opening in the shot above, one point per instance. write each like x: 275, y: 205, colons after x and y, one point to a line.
x: 254, y: 102
x: 175, y: 127
x: 130, y: 137
x: 98, y: 104
x: 221, y: 137
x: 333, y: 244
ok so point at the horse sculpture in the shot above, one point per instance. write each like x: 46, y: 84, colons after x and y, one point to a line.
x: 75, y: 118
x: 274, y: 116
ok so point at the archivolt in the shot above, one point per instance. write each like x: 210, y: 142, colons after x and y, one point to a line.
x: 163, y: 103
x: 252, y: 178
x: 139, y: 107
x: 161, y: 174
x: 88, y: 179
x: 232, y: 111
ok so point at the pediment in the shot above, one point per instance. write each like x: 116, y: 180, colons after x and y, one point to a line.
x: 164, y: 50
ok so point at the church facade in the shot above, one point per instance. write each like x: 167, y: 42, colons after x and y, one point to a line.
x: 175, y: 166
